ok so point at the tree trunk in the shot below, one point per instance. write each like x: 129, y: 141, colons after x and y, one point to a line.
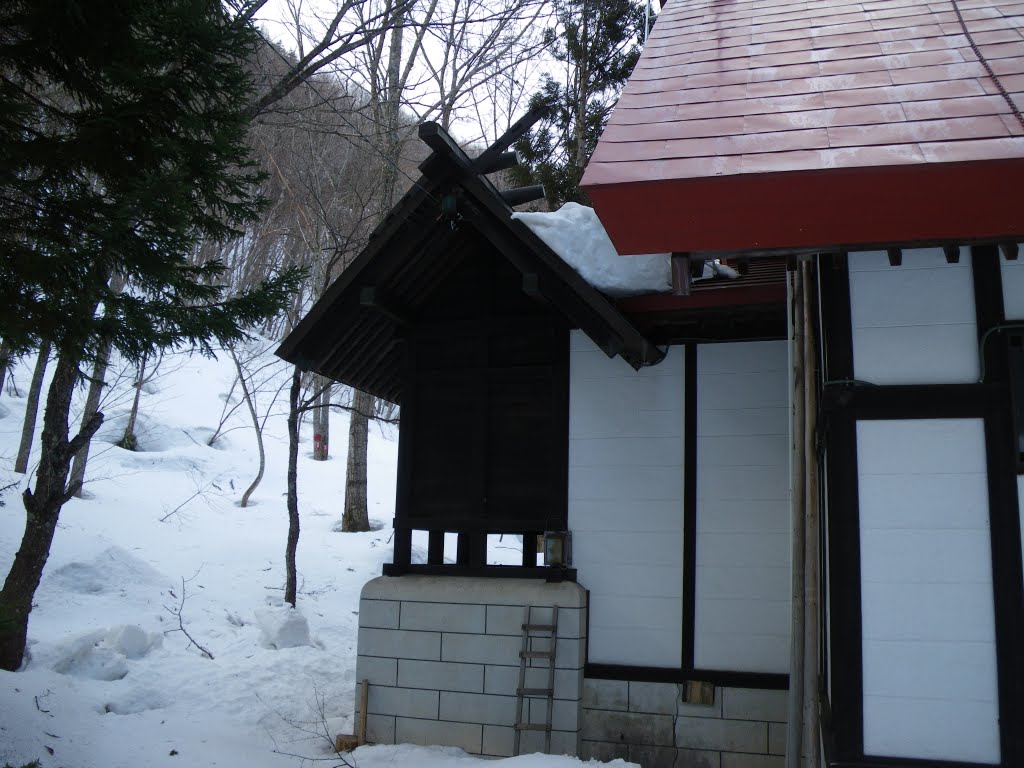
x: 290, y: 580
x: 256, y: 426
x: 42, y: 510
x: 356, y: 516
x: 129, y: 441
x: 28, y: 428
x: 92, y: 405
x: 322, y: 419
x: 5, y: 363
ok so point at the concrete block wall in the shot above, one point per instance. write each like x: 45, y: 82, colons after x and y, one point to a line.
x: 442, y: 658
x: 649, y: 724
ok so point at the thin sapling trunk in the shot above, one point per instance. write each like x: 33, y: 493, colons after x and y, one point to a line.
x: 248, y: 396
x: 28, y: 428
x: 290, y: 584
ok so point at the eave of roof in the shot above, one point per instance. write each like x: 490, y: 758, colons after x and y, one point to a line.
x: 357, y: 341
x: 765, y: 125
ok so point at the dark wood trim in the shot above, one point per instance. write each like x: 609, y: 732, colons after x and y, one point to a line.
x: 1007, y: 580
x: 486, y: 571
x: 846, y: 403
x: 673, y: 675
x: 689, y: 504
x: 844, y: 588
x: 435, y: 548
x: 989, y: 312
x: 727, y: 296
x: 899, y: 762
x: 403, y: 480
x: 834, y: 278
x: 910, y: 401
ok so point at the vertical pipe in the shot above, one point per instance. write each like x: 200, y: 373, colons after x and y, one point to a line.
x: 811, y: 740
x: 794, y: 720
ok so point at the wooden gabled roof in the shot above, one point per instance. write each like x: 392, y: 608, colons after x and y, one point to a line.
x: 768, y: 125
x: 354, y: 333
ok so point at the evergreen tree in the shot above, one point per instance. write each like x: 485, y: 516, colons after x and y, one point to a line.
x: 598, y: 44
x: 122, y: 129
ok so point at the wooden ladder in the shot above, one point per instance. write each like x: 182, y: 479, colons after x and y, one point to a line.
x: 532, y: 631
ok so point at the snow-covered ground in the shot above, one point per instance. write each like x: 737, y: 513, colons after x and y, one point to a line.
x: 111, y: 680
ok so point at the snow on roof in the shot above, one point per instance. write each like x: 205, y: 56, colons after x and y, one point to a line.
x: 576, y: 234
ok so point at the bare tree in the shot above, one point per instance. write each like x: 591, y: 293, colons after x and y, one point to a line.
x: 257, y: 377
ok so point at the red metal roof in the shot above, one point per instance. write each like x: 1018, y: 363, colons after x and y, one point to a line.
x: 755, y: 125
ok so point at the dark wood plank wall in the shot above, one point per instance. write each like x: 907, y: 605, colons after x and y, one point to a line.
x: 485, y: 414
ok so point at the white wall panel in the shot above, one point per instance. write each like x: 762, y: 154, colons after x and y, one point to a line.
x: 742, y: 610
x: 915, y: 323
x: 1013, y: 288
x: 626, y: 502
x: 928, y: 628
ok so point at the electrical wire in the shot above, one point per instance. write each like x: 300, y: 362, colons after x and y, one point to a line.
x: 988, y: 68
x: 984, y: 340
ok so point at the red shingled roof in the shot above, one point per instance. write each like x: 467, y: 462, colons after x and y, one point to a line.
x: 755, y: 125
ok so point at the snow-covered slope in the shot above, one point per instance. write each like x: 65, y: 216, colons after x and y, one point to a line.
x: 110, y: 681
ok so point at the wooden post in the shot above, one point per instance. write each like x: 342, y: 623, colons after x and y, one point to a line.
x: 794, y: 720
x: 811, y: 746
x: 364, y: 696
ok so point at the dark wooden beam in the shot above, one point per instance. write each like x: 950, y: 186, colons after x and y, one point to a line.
x: 680, y: 274
x: 513, y: 134
x: 1009, y: 251
x: 952, y: 253
x: 895, y: 256
x: 498, y: 162
x: 522, y: 195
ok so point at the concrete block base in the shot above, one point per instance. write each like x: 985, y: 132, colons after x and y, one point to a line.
x: 650, y: 724
x: 441, y: 654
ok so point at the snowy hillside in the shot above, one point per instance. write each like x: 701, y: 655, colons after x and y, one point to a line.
x: 110, y: 681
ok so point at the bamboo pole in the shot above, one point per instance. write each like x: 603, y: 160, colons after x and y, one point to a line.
x: 794, y: 720
x: 811, y: 740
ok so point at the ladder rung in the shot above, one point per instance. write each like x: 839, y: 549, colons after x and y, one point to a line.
x: 534, y: 691
x: 537, y: 654
x: 539, y: 627
x: 532, y: 727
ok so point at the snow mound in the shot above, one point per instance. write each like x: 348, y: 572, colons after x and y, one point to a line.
x: 151, y: 435
x: 576, y: 234
x: 104, y: 654
x: 134, y: 701
x: 283, y: 627
x: 108, y: 572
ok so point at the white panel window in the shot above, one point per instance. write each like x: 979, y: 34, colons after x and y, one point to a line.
x: 915, y: 323
x: 928, y: 628
x: 1013, y: 288
x: 742, y: 607
x: 626, y: 503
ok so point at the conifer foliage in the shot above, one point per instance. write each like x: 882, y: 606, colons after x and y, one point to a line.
x: 597, y: 42
x: 122, y: 129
